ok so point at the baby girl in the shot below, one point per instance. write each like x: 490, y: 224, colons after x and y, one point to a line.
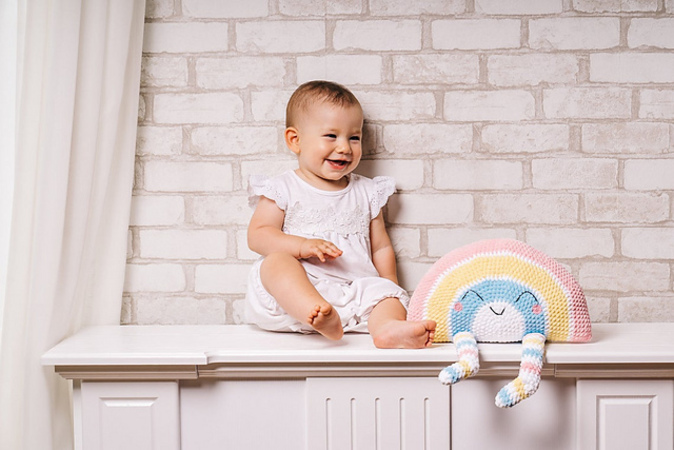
x: 327, y: 261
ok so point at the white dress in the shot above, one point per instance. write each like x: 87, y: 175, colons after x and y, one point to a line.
x: 350, y: 283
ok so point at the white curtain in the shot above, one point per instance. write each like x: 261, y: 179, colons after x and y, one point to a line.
x: 77, y: 84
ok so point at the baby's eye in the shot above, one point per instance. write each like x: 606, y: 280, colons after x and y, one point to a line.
x: 331, y: 136
x: 355, y: 138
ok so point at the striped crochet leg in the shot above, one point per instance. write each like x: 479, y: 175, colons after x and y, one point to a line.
x: 529, y: 377
x: 468, y: 363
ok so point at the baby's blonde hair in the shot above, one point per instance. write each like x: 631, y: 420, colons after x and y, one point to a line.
x: 317, y: 91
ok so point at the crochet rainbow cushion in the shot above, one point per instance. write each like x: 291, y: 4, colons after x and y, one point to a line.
x: 501, y: 290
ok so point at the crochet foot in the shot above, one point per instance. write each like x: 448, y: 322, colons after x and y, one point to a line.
x: 468, y: 363
x: 529, y: 377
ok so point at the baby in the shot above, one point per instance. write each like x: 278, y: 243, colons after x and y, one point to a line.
x: 328, y: 264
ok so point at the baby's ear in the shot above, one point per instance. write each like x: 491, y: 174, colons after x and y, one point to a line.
x: 292, y: 139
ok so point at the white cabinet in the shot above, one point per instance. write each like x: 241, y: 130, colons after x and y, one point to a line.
x: 625, y: 414
x: 129, y: 415
x: 236, y: 387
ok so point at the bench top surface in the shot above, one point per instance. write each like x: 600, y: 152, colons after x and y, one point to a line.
x: 644, y: 343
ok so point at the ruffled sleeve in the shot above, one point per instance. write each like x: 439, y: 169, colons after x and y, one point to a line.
x: 384, y: 187
x: 263, y: 186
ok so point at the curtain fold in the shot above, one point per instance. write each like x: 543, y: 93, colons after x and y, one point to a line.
x: 78, y: 77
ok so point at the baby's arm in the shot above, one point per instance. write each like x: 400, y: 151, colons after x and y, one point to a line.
x: 265, y: 236
x: 383, y: 255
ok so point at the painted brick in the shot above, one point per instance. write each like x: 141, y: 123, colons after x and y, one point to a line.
x: 240, y: 72
x: 425, y: 138
x: 648, y: 243
x: 153, y: 210
x: 475, y: 34
x: 571, y: 243
x: 217, y: 9
x: 554, y: 209
x: 574, y: 173
x: 270, y: 105
x: 626, y: 207
x: 195, y: 176
x: 407, y: 8
x: 182, y: 310
x: 221, y: 278
x: 163, y: 71
x: 599, y: 309
x: 490, y: 174
x: 340, y: 68
x: 649, y: 174
x: 159, y: 141
x: 410, y: 273
x: 505, y: 105
x: 624, y: 276
x: 532, y: 69
x: 269, y: 167
x: 156, y: 9
x: 154, y: 278
x: 221, y: 210
x: 409, y: 174
x: 518, y: 7
x: 319, y: 7
x: 587, y: 103
x: 656, y: 104
x: 218, y: 108
x: 651, y: 33
x: 578, y: 33
x: 646, y: 309
x: 377, y: 35
x: 626, y: 137
x: 288, y: 36
x: 406, y: 241
x: 632, y: 67
x: 594, y: 6
x: 511, y: 138
x: 185, y: 37
x: 183, y: 244
x: 430, y: 209
x: 397, y: 105
x: 243, y: 253
x: 442, y: 240
x: 436, y: 68
x: 234, y: 141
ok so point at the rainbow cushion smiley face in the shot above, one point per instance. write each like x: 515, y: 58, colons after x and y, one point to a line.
x: 501, y: 290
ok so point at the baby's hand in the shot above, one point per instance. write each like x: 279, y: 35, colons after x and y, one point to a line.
x: 323, y: 250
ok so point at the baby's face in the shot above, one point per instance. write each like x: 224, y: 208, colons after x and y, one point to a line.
x: 329, y: 144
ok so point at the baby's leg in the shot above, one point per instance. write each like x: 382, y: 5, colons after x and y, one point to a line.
x: 286, y: 280
x: 390, y: 329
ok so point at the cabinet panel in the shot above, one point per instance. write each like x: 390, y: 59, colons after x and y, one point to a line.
x: 377, y: 413
x: 625, y: 414
x: 130, y: 416
x: 543, y: 421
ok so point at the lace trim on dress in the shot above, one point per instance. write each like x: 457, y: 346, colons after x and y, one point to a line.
x: 311, y: 221
x: 384, y: 188
x: 260, y: 185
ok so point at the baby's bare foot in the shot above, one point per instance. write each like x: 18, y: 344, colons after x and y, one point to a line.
x: 405, y: 334
x: 326, y: 321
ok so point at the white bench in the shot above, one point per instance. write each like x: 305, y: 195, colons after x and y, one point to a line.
x: 236, y: 387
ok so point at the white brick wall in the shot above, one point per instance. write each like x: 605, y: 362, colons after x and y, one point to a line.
x: 549, y: 121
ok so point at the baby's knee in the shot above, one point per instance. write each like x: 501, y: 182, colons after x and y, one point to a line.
x: 277, y: 262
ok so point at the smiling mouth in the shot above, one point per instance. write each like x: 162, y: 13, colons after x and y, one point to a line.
x: 338, y: 163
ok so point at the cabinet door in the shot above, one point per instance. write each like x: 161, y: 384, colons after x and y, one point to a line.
x: 130, y: 416
x: 625, y: 414
x: 377, y: 413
